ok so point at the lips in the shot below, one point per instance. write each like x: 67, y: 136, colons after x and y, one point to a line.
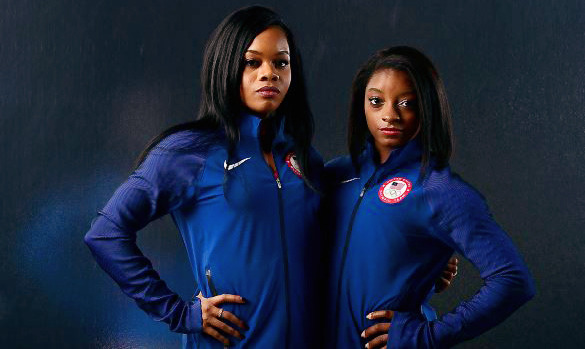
x: 268, y: 91
x: 390, y: 131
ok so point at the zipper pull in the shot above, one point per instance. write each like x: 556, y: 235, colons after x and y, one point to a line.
x: 278, y: 183
x: 277, y: 180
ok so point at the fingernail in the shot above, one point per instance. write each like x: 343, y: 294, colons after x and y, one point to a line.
x: 369, y: 316
x: 367, y: 345
x: 363, y: 334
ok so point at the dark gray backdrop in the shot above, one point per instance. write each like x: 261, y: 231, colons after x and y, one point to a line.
x: 85, y: 84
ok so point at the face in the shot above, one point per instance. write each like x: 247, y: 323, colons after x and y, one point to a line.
x: 267, y: 72
x: 391, y: 111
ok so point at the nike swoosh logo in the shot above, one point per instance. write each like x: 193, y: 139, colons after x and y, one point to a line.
x: 349, y: 180
x: 232, y: 166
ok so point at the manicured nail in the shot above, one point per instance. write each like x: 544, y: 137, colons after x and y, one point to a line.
x: 367, y: 345
x: 369, y: 316
x: 363, y: 334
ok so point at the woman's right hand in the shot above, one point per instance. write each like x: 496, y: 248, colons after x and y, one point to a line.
x: 378, y: 333
x: 212, y: 317
x: 447, y: 276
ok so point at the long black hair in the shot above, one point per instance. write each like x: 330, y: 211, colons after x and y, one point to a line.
x: 221, y: 76
x: 433, y: 108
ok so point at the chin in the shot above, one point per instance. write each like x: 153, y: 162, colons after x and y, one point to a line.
x: 393, y: 144
x: 266, y: 109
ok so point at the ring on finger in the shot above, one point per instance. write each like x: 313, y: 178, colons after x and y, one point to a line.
x: 220, y: 313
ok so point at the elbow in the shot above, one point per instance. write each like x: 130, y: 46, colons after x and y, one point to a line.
x: 524, y: 288
x: 90, y: 239
x: 515, y: 287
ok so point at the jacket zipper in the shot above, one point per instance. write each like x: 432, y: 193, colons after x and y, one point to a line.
x: 284, y: 247
x: 345, y: 248
x: 210, y: 282
x: 284, y: 255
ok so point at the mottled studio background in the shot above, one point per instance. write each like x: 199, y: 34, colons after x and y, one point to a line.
x: 85, y: 84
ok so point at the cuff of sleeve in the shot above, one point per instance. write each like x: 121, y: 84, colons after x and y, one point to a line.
x: 409, y: 330
x: 189, y: 319
x: 196, y: 322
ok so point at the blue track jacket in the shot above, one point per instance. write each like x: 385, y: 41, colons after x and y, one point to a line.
x: 392, y: 238
x: 257, y: 244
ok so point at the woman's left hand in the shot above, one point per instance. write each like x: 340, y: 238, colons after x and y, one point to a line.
x: 378, y: 332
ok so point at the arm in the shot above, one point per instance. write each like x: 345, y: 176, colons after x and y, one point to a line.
x: 463, y: 221
x: 153, y: 190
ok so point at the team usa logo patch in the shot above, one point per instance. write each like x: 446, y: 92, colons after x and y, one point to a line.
x: 394, y: 190
x: 291, y: 161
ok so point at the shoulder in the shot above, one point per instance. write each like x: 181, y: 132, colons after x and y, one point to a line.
x: 452, y: 198
x: 179, y: 155
x: 447, y: 184
x: 189, y: 141
x: 339, y: 170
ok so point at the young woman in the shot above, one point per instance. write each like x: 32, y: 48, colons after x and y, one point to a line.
x: 400, y: 213
x: 240, y: 183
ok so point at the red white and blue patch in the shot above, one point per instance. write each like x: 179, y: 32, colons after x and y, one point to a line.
x: 394, y: 190
x: 291, y: 161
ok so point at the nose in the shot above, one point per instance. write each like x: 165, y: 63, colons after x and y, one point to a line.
x: 268, y: 74
x: 391, y: 115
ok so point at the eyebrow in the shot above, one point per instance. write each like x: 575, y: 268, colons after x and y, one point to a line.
x: 284, y: 52
x: 373, y: 89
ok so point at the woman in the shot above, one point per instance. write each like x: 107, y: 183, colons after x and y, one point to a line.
x: 400, y: 213
x: 240, y: 183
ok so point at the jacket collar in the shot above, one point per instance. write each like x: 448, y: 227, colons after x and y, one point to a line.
x: 406, y: 156
x: 250, y: 126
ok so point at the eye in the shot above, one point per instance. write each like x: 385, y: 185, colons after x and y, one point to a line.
x: 282, y: 63
x: 252, y: 63
x: 407, y: 103
x: 376, y: 102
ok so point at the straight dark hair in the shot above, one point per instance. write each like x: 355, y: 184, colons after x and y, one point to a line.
x: 221, y: 76
x: 433, y: 108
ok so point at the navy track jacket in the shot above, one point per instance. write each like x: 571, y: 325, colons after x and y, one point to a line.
x: 393, y: 237
x: 254, y: 235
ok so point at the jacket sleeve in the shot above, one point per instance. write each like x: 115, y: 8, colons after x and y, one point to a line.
x: 463, y: 221
x: 161, y: 184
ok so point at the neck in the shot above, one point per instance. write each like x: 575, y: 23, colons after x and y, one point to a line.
x: 260, y: 116
x: 383, y: 154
